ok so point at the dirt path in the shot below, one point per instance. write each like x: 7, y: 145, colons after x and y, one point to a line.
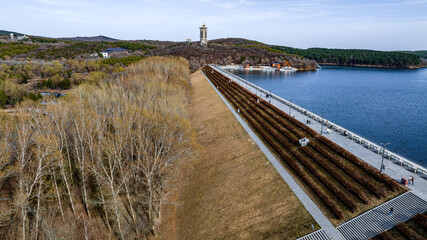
x: 231, y: 191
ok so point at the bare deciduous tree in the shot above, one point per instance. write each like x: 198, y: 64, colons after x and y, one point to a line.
x: 106, y: 153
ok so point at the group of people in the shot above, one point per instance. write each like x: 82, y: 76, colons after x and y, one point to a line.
x: 308, y: 121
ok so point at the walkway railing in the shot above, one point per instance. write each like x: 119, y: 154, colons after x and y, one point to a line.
x: 337, y: 128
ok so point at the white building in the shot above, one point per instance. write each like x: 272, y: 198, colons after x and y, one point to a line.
x: 113, y: 51
x: 204, y: 35
x: 18, y: 38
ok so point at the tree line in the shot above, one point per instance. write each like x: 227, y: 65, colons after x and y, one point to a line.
x: 97, y: 163
x: 74, y: 49
x: 44, y: 48
x: 124, y: 61
x: 15, y: 48
x: 335, y: 56
x: 225, y: 54
x: 17, y: 82
x: 354, y: 56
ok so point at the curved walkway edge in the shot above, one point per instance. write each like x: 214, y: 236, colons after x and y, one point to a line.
x: 317, y: 214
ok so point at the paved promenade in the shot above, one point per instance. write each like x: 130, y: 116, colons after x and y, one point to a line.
x: 393, y: 170
x: 311, y: 207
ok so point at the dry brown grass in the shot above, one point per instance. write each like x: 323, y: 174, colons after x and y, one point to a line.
x: 232, y: 191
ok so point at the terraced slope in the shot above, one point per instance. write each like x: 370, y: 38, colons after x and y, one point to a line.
x: 341, y: 184
x: 415, y: 228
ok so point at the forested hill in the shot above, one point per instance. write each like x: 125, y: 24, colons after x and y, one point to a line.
x: 4, y: 32
x: 353, y: 57
x: 99, y: 38
x: 222, y: 53
x: 348, y: 57
x: 420, y: 53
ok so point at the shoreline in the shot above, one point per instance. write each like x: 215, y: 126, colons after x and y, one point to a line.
x: 370, y: 66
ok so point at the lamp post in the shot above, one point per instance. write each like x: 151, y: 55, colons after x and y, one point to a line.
x: 321, y: 129
x: 269, y: 96
x: 290, y: 103
x: 382, y: 156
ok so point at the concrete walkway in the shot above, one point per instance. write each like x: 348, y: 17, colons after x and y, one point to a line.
x: 395, y: 171
x: 317, y: 214
x: 317, y: 235
x: 378, y: 219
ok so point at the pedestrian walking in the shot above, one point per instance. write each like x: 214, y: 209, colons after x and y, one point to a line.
x: 383, y: 167
x: 412, y: 180
x: 391, y: 212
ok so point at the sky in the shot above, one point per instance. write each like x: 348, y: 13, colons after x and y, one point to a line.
x: 363, y: 24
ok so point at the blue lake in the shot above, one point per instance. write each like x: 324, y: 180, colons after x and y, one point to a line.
x: 382, y: 105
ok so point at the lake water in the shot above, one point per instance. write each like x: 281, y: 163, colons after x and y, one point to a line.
x: 382, y: 105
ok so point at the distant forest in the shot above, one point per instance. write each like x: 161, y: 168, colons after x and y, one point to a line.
x: 354, y: 56
x: 45, y: 48
x: 421, y: 53
x: 221, y: 51
x: 349, y: 57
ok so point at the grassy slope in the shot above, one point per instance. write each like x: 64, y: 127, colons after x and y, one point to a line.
x: 232, y: 191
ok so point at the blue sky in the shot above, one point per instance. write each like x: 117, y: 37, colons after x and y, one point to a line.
x: 382, y: 25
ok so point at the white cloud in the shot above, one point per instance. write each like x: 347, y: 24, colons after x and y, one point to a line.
x: 234, y: 4
x: 65, y: 3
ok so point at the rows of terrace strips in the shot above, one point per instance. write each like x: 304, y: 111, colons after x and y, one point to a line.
x: 340, y: 183
x: 415, y: 228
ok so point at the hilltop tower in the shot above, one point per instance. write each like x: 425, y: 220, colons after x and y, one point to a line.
x: 204, y: 35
